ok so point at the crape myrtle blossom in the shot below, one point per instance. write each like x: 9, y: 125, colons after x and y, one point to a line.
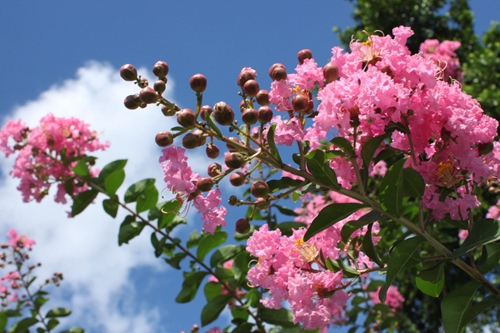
x: 394, y: 299
x: 181, y: 180
x: 16, y: 241
x: 47, y: 154
x: 443, y: 54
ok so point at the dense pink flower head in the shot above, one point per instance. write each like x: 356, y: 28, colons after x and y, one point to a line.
x: 443, y: 54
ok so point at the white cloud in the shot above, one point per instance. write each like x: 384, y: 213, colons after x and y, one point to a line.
x: 96, y: 270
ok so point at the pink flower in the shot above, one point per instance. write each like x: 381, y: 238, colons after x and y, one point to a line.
x: 393, y: 298
x: 17, y: 241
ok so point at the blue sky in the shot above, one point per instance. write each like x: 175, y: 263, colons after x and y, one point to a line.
x: 63, y: 57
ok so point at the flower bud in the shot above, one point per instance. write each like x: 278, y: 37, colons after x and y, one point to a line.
x: 186, y: 118
x: 142, y: 82
x: 233, y: 200
x: 160, y: 69
x: 242, y: 226
x: 169, y: 110
x: 223, y: 114
x: 303, y: 55
x: 277, y: 72
x: 164, y: 139
x: 214, y: 169
x: 132, y: 102
x: 205, y: 111
x: 330, y: 72
x: 259, y: 189
x: 264, y: 114
x: 159, y: 86
x: 300, y: 102
x: 246, y: 74
x: 148, y: 95
x: 262, y: 203
x: 212, y: 151
x: 251, y: 88
x: 202, y: 139
x: 233, y: 148
x: 198, y: 83
x: 262, y: 97
x: 249, y: 116
x: 190, y: 141
x: 237, y: 178
x: 234, y: 160
x: 205, y: 184
x: 128, y: 72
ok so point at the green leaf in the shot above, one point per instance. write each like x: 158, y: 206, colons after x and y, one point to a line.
x: 431, y: 281
x: 225, y: 253
x: 483, y: 232
x: 343, y: 144
x: 330, y: 215
x: 284, y: 182
x: 370, y: 147
x: 475, y: 309
x: 272, y: 144
x: 176, y: 260
x: 81, y: 169
x: 404, y: 255
x: 287, y: 228
x: 211, y: 290
x: 281, y: 317
x: 22, y: 325
x: 74, y: 330
x: 136, y: 189
x: 129, y: 229
x: 213, y: 308
x: 111, y: 206
x: 319, y: 167
x: 211, y: 123
x: 240, y: 265
x: 3, y: 321
x: 58, y: 312
x: 454, y: 307
x: 350, y: 227
x: 369, y: 248
x: 113, y: 182
x: 285, y: 210
x: 491, y: 259
x: 82, y: 200
x: 391, y: 189
x: 111, y: 168
x: 52, y: 323
x: 210, y: 242
x: 413, y: 183
x: 147, y: 199
x: 190, y: 286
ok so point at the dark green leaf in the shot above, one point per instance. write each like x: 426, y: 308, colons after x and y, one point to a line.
x: 491, y: 259
x: 404, y: 255
x: 370, y: 148
x: 350, y: 227
x: 113, y: 182
x: 213, y: 308
x: 475, y: 309
x: 368, y: 247
x: 281, y: 317
x: 211, y: 290
x: 111, y: 206
x: 82, y: 201
x: 431, y: 281
x: 343, y: 144
x: 129, y: 229
x: 330, y: 215
x: 3, y: 321
x: 284, y: 182
x: 413, y: 183
x: 285, y: 210
x: 455, y: 305
x: 52, y: 323
x: 225, y: 253
x: 23, y: 325
x: 147, y: 199
x: 319, y: 167
x: 210, y: 242
x: 483, y: 232
x: 136, y: 189
x: 211, y: 123
x: 240, y: 265
x: 288, y: 227
x: 190, y: 286
x: 58, y: 312
x: 272, y: 144
x: 112, y: 167
x: 175, y: 260
x: 391, y: 189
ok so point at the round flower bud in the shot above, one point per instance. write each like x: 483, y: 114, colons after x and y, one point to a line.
x: 262, y: 97
x: 186, y: 118
x: 205, y: 111
x: 190, y: 141
x: 205, y: 184
x: 168, y: 110
x: 262, y: 203
x: 251, y: 88
x: 159, y: 86
x: 249, y: 116
x: 277, y: 72
x: 242, y: 226
x: 246, y: 74
x: 148, y: 95
x: 128, y: 72
x: 233, y: 200
x: 234, y: 160
x: 198, y: 83
x: 259, y: 189
x: 223, y: 114
x: 330, y: 72
x: 142, y: 82
x: 300, y: 103
x: 132, y: 102
x: 264, y: 114
x: 237, y: 178
x: 214, y: 169
x: 303, y: 55
x: 160, y: 69
x: 164, y: 139
x: 212, y: 151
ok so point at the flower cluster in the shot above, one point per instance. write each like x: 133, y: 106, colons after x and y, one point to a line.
x: 47, y: 153
x: 443, y: 54
x: 394, y: 299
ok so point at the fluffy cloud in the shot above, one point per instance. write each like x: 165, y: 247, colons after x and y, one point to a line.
x: 97, y: 272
